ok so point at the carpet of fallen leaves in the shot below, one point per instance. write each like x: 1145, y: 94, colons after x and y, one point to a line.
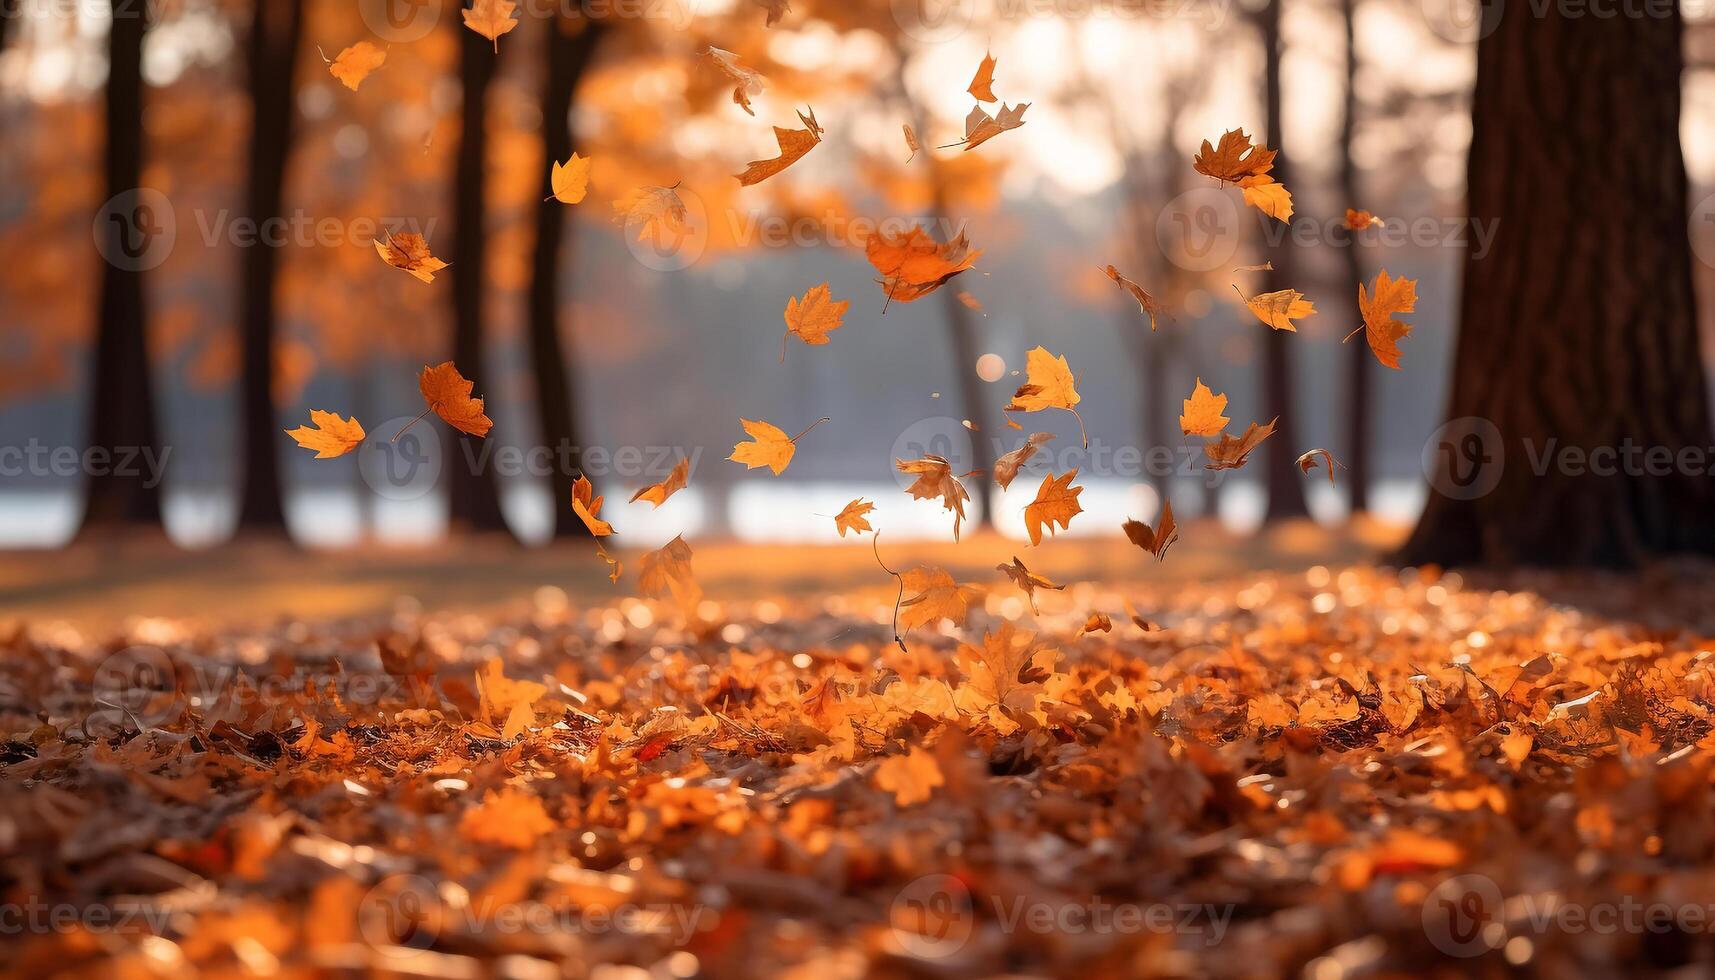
x: 1332, y: 772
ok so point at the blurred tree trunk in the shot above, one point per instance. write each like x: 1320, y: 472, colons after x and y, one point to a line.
x: 962, y: 341
x: 474, y: 491
x: 8, y: 16
x: 275, y: 30
x: 1360, y: 377
x: 122, y: 403
x: 571, y: 47
x: 1282, y: 476
x: 1578, y: 328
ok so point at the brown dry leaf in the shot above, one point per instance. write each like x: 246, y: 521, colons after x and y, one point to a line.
x: 776, y: 10
x: 409, y: 252
x: 1358, y: 220
x: 769, y: 446
x: 1048, y: 383
x: 657, y: 212
x: 491, y: 18
x: 448, y: 395
x: 1007, y: 466
x: 1056, y: 503
x: 934, y: 595
x: 813, y: 317
x: 746, y: 82
x: 1027, y: 580
x: 570, y: 181
x: 1259, y: 267
x: 667, y: 571
x: 1307, y: 462
x: 613, y: 566
x: 1234, y: 159
x: 935, y: 480
x: 1155, y: 540
x: 658, y: 493
x: 1387, y: 297
x: 1097, y: 622
x: 356, y: 63
x: 913, y: 265
x: 1230, y: 453
x: 1203, y: 412
x: 911, y: 778
x: 852, y: 518
x: 911, y: 143
x: 794, y: 143
x: 588, y: 507
x: 1145, y: 302
x: 980, y: 127
x: 1279, y: 308
x: 982, y: 85
x: 332, y: 437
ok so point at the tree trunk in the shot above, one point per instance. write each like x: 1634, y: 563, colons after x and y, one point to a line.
x: 122, y: 404
x: 474, y: 493
x: 967, y: 387
x: 1360, y: 380
x: 571, y: 47
x: 1282, y: 477
x: 8, y: 16
x: 275, y: 30
x: 1578, y: 335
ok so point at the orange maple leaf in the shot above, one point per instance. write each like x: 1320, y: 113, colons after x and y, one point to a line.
x: 1155, y: 540
x: 667, y: 571
x: 935, y: 596
x: 448, y: 395
x: 1234, y: 159
x: 1048, y: 383
x: 1358, y: 220
x: 333, y: 436
x: 355, y: 63
x: 911, y: 778
x: 1387, y: 297
x: 570, y: 181
x: 587, y: 506
x: 913, y: 265
x: 852, y: 517
x: 769, y: 446
x: 1202, y: 416
x: 491, y: 18
x: 1056, y: 503
x: 658, y: 493
x: 409, y: 252
x: 1145, y: 302
x: 1279, y: 308
x: 794, y: 143
x: 1027, y: 580
x: 812, y: 318
x: 1230, y: 453
x: 935, y: 480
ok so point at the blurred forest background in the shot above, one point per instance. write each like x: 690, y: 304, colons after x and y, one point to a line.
x: 576, y: 331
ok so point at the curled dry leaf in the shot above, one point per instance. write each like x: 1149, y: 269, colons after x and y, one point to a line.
x: 1056, y: 503
x: 1154, y: 540
x: 935, y: 480
x: 746, y: 82
x: 409, y: 252
x: 1308, y: 461
x: 1203, y: 412
x: 980, y: 127
x: 1230, y: 454
x: 588, y: 507
x: 776, y: 10
x: 1358, y: 220
x: 911, y: 143
x: 1097, y: 622
x: 1007, y: 466
x: 613, y: 566
x: 1027, y: 580
x: 666, y: 572
x: 658, y: 493
x: 491, y: 18
x: 794, y: 143
x: 982, y: 85
x: 913, y: 265
x: 1145, y: 302
x: 448, y: 395
x: 570, y: 181
x: 1048, y: 383
x: 356, y: 63
x: 332, y: 437
x: 852, y: 518
x: 1279, y: 308
x: 813, y: 317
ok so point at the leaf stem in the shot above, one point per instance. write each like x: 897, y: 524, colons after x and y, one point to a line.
x: 875, y: 545
x: 806, y: 432
x: 408, y: 425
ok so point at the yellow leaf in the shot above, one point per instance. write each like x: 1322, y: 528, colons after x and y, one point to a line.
x: 1279, y: 308
x: 769, y: 446
x: 934, y: 596
x: 935, y: 480
x: 409, y: 252
x: 1027, y: 580
x: 571, y: 180
x: 505, y: 702
x: 333, y: 436
x: 667, y: 571
x: 812, y: 318
x: 1202, y: 415
x: 1048, y: 384
x: 1056, y: 503
x: 355, y: 64
x: 587, y: 506
x: 852, y: 518
x: 658, y: 493
x: 1261, y: 192
x: 491, y: 18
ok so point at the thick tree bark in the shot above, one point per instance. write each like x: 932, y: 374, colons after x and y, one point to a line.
x: 474, y: 492
x: 276, y: 28
x: 571, y: 46
x: 1359, y: 372
x: 1282, y: 477
x: 122, y: 404
x: 1578, y: 334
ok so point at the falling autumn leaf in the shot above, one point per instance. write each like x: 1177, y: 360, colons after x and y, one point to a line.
x: 813, y: 317
x: 1261, y: 192
x: 934, y: 596
x: 491, y: 18
x: 658, y: 493
x: 332, y: 437
x: 504, y: 702
x: 1006, y: 672
x: 1259, y: 267
x: 852, y: 518
x: 356, y: 63
x: 587, y: 506
x: 1097, y: 622
x: 794, y: 143
x: 613, y: 566
x: 934, y: 481
x: 1154, y: 540
x: 666, y: 571
x: 1229, y: 453
x: 980, y: 127
x: 968, y: 301
x: 1202, y: 415
x: 1307, y: 462
x: 1056, y: 503
x: 1048, y: 384
x: 448, y: 395
x: 982, y: 85
x: 409, y: 252
x: 1387, y: 297
x: 746, y: 82
x: 1027, y: 580
x: 1357, y: 220
x: 1145, y: 302
x: 656, y: 212
x: 911, y: 143
x: 1279, y: 308
x: 911, y: 778
x: 913, y: 265
x: 769, y: 446
x: 571, y: 180
x: 1234, y: 159
x: 1007, y: 466
x: 776, y: 10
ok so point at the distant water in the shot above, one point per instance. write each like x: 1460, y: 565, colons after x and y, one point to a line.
x: 762, y: 511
